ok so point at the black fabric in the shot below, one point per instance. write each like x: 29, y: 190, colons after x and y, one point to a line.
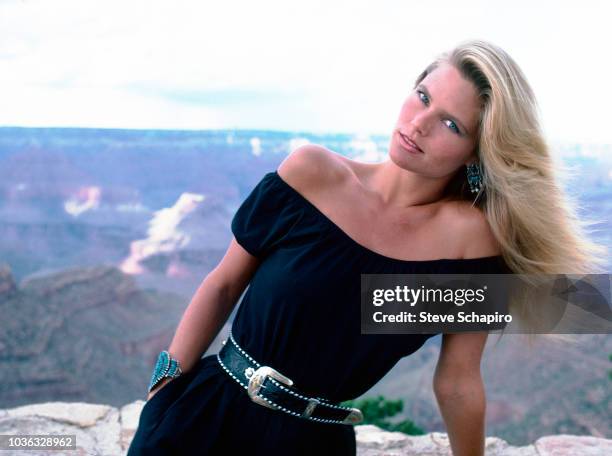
x: 300, y: 315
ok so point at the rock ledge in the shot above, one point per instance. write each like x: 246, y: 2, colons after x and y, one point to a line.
x: 106, y: 430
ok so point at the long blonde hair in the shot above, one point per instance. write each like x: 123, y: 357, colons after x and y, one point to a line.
x: 536, y: 224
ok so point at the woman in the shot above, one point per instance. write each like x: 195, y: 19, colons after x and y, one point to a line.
x: 308, y: 230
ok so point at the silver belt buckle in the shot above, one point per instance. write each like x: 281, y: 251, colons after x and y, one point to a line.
x: 256, y: 383
x: 354, y: 417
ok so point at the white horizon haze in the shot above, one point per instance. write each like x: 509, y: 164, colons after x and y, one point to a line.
x: 319, y: 67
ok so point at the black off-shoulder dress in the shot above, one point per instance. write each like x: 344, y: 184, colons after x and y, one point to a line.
x: 300, y: 315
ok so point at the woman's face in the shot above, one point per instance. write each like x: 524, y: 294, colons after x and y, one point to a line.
x: 441, y: 116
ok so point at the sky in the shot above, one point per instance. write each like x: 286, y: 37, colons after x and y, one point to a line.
x: 309, y: 66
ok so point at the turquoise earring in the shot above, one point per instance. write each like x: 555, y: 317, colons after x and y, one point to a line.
x: 474, y: 177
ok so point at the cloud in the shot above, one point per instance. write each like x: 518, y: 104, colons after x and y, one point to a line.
x: 255, y: 146
x: 88, y: 198
x: 309, y: 66
x: 163, y: 235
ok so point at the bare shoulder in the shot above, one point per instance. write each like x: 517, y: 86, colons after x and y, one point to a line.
x: 472, y: 228
x: 312, y: 168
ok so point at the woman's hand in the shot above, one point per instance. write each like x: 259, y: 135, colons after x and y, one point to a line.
x: 159, y: 386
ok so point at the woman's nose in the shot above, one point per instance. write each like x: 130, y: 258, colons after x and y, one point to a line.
x: 420, y: 124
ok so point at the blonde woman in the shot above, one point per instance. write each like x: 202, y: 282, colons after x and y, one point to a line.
x: 468, y: 187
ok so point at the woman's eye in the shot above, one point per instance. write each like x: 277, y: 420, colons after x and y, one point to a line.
x: 453, y: 126
x: 423, y: 95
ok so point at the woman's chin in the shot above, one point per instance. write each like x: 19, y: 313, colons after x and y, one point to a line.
x: 400, y: 157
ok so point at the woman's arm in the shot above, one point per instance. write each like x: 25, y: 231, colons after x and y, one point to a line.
x: 210, y: 307
x: 460, y: 391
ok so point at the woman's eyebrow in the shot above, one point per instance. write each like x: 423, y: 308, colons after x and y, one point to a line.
x: 455, y: 118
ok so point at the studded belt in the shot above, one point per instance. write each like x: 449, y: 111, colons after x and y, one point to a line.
x: 268, y: 387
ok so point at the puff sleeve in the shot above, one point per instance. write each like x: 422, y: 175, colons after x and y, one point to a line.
x: 265, y: 217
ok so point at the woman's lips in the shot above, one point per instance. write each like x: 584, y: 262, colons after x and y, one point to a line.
x: 409, y: 145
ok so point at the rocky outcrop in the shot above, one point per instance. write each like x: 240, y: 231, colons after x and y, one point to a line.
x: 371, y: 441
x: 81, y: 335
x: 106, y: 430
x: 7, y: 284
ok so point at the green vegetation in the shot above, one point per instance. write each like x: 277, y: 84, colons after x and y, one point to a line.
x: 376, y: 411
